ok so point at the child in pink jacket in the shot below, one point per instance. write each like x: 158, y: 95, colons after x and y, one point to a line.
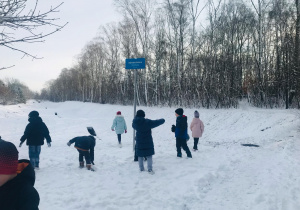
x: 197, y: 128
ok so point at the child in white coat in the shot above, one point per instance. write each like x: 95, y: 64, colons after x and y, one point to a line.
x: 197, y: 128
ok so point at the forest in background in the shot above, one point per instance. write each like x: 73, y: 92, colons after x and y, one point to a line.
x: 12, y: 91
x: 197, y: 55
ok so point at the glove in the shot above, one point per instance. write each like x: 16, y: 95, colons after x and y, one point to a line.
x: 125, y: 131
x: 112, y: 129
x: 92, y: 162
x: 69, y: 144
x: 21, y: 144
x: 49, y: 144
x: 173, y: 128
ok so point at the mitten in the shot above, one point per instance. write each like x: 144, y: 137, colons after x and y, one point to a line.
x: 69, y: 144
x: 125, y: 131
x: 49, y: 144
x: 21, y: 144
x: 92, y: 162
x: 112, y: 129
x: 173, y: 128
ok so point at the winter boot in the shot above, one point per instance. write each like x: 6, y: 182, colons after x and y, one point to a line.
x: 81, y: 164
x: 37, y: 167
x: 89, y: 167
x: 150, y: 171
x: 179, y: 155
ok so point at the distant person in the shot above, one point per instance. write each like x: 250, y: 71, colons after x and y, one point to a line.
x: 17, y: 179
x: 85, y: 146
x: 144, y: 140
x: 197, y: 128
x: 181, y: 133
x: 35, y: 133
x: 119, y: 125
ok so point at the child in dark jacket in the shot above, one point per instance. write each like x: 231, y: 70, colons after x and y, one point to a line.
x: 85, y: 146
x: 144, y: 140
x: 35, y: 133
x: 16, y: 180
x: 181, y: 133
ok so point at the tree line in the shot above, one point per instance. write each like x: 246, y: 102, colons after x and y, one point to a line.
x: 12, y: 91
x: 197, y: 55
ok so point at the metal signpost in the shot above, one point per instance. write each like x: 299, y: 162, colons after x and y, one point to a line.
x: 135, y: 63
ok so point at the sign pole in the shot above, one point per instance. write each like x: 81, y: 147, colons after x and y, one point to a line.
x: 135, y: 63
x: 134, y: 109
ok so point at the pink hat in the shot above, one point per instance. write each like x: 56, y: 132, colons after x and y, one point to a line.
x: 118, y: 113
x: 8, y: 158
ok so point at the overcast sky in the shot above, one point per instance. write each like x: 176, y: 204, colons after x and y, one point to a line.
x: 59, y: 50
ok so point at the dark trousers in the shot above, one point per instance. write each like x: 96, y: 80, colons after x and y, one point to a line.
x: 196, y: 140
x: 119, y: 138
x: 86, y: 155
x: 135, y: 155
x: 182, y: 143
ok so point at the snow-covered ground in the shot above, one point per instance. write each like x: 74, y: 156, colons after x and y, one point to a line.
x: 222, y: 175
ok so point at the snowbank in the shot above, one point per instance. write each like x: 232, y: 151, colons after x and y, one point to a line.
x: 222, y: 175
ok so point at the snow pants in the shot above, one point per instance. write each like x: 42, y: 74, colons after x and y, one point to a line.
x: 119, y: 138
x: 182, y: 143
x: 196, y: 140
x: 86, y: 155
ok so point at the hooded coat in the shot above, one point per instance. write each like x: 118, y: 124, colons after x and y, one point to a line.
x: 35, y: 132
x: 181, y: 127
x: 119, y: 124
x: 144, y: 140
x: 19, y: 193
x: 197, y: 128
x: 85, y: 143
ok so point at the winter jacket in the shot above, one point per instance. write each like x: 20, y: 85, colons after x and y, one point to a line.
x: 197, y: 128
x: 144, y: 140
x: 181, y: 127
x: 119, y: 124
x: 19, y: 193
x: 35, y: 132
x: 85, y: 143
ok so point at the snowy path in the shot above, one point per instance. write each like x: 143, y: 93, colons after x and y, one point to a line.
x: 223, y: 175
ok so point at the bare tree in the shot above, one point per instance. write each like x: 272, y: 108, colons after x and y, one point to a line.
x: 19, y: 23
x: 140, y: 12
x: 296, y: 65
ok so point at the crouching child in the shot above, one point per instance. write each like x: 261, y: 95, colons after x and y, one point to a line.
x: 85, y: 146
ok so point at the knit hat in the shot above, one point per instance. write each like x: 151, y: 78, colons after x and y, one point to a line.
x: 196, y: 114
x: 8, y: 158
x: 140, y: 113
x: 33, y: 114
x: 118, y: 113
x: 179, y: 111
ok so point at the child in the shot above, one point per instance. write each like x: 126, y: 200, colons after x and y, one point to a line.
x: 119, y: 125
x: 181, y: 133
x: 144, y: 140
x: 197, y: 128
x: 35, y: 133
x: 85, y: 146
x: 16, y: 180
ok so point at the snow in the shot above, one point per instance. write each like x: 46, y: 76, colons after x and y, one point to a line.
x: 222, y: 175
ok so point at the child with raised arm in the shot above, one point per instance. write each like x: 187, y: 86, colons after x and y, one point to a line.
x: 144, y: 140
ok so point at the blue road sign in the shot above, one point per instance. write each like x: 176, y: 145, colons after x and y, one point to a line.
x: 135, y: 63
